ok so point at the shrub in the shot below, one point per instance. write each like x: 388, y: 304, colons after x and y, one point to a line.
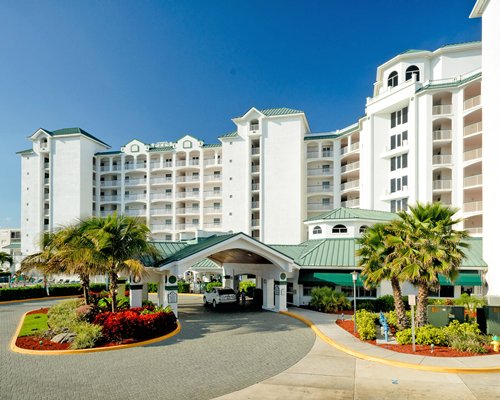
x: 246, y: 286
x: 365, y: 323
x: 328, y: 300
x: 152, y: 287
x: 87, y: 335
x: 183, y: 287
x: 122, y: 303
x: 62, y: 316
x: 211, y: 285
x: 97, y: 287
x: 86, y: 313
x: 148, y: 303
x: 404, y: 336
x: 20, y: 293
x: 466, y: 337
x: 429, y: 334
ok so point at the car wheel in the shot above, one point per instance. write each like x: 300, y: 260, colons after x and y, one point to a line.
x: 205, y: 302
x: 214, y: 304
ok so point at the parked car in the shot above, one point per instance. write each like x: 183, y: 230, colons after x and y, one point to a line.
x: 218, y: 296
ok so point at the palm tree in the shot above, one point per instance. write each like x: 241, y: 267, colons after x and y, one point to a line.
x: 428, y: 246
x: 376, y: 256
x: 119, y: 242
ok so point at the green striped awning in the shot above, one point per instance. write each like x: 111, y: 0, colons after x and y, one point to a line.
x: 317, y: 278
x: 471, y: 278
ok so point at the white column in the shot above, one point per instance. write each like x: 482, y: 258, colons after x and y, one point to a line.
x: 161, y: 291
x: 268, y: 294
x: 145, y: 291
x: 280, y: 293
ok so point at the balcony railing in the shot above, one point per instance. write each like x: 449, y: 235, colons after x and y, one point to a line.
x: 130, y: 166
x: 213, y: 193
x: 312, y: 154
x: 326, y: 153
x: 46, y: 181
x: 189, y: 193
x: 161, y: 211
x: 139, y: 196
x: 350, y: 203
x: 350, y: 167
x: 441, y: 159
x: 319, y: 171
x: 319, y: 189
x: 160, y: 196
x: 194, y: 162
x: 212, y: 161
x: 255, y: 222
x: 255, y: 186
x: 188, y: 210
x: 474, y: 180
x: 472, y: 102
x: 135, y: 212
x: 215, y: 177
x: 161, y: 227
x: 110, y: 198
x: 475, y: 231
x: 441, y: 135
x: 140, y: 181
x: 349, y: 185
x: 213, y: 210
x: 188, y: 178
x: 180, y: 163
x: 255, y: 168
x: 472, y: 129
x: 442, y: 109
x: 348, y: 149
x: 255, y: 204
x: 156, y: 181
x: 114, y: 182
x: 191, y: 226
x: 442, y: 184
x: 319, y: 206
x: 106, y: 213
x: 473, y: 154
x: 212, y: 225
x: 255, y: 150
x: 473, y: 206
x: 254, y: 127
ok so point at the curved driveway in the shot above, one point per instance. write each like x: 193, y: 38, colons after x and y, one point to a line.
x: 216, y: 353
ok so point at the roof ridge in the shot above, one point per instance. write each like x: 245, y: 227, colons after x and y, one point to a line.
x: 321, y: 241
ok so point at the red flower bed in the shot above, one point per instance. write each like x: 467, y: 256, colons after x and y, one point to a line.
x: 39, y: 311
x: 421, y: 350
x: 33, y: 343
x: 131, y: 324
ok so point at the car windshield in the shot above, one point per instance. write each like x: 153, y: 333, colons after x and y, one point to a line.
x: 226, y: 291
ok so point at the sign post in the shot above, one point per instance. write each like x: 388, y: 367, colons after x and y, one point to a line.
x: 412, y: 301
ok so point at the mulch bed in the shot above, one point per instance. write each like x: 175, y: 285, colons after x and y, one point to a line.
x: 421, y: 350
x: 39, y: 311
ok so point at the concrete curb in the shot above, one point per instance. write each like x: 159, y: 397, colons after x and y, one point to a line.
x: 432, y: 368
x: 16, y: 349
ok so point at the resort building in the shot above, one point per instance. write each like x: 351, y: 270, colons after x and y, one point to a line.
x: 420, y: 140
x: 10, y: 243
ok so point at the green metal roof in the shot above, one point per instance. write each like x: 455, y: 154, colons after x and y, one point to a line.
x: 107, y: 153
x: 316, y: 278
x: 160, y: 149
x: 165, y: 249
x: 449, y: 84
x: 272, y: 112
x: 329, y: 253
x: 74, y: 131
x: 461, y: 43
x: 229, y: 135
x: 328, y: 136
x: 16, y: 245
x: 212, y: 145
x: 474, y: 253
x: 464, y: 278
x: 24, y: 152
x: 205, y: 264
x: 354, y: 213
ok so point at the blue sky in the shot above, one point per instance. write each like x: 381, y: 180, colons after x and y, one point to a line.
x: 156, y: 70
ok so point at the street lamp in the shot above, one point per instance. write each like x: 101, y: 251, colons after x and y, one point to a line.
x: 354, y: 279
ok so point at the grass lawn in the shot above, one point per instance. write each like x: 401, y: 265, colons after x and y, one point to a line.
x: 34, y: 324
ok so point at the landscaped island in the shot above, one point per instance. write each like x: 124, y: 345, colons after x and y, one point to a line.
x: 73, y: 325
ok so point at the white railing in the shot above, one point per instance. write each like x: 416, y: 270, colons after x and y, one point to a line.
x: 115, y: 182
x: 312, y: 154
x: 349, y: 185
x: 326, y: 153
x: 475, y: 231
x: 194, y: 162
x: 441, y: 159
x: 134, y: 212
x: 45, y: 196
x: 213, y: 225
x: 254, y: 127
x: 350, y: 203
x: 213, y: 193
x: 255, y: 186
x: 473, y: 154
x: 255, y: 204
x: 255, y: 222
x: 129, y: 197
x: 319, y: 206
x: 215, y: 177
x: 319, y: 171
x: 441, y: 109
x: 155, y: 165
x: 108, y: 212
x: 180, y: 163
x: 188, y: 178
x: 161, y: 227
x: 110, y: 198
x: 129, y: 166
x: 255, y: 168
x: 46, y: 165
x: 473, y: 206
x: 46, y: 180
x: 180, y: 227
x: 212, y: 161
x: 441, y: 135
x: 139, y: 181
x: 191, y: 226
x: 472, y: 102
x: 441, y: 184
x: 473, y: 128
x: 348, y: 149
x: 189, y: 193
x: 474, y: 180
x: 104, y: 168
x: 319, y: 189
x: 255, y: 150
x: 213, y: 210
x: 161, y: 211
x: 160, y: 180
x: 188, y: 210
x: 350, y: 167
x: 160, y: 196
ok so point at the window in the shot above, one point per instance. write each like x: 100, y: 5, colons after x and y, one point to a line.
x: 317, y: 230
x: 399, y: 205
x: 398, y: 184
x: 325, y: 168
x: 392, y: 81
x: 187, y: 144
x: 399, y: 117
x: 399, y: 162
x: 254, y: 125
x: 216, y: 221
x: 412, y: 70
x: 325, y: 185
x: 362, y: 229
x: 325, y: 202
x: 339, y: 229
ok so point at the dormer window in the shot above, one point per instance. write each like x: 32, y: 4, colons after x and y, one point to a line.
x: 317, y: 230
x: 362, y: 229
x: 392, y: 81
x: 254, y: 125
x: 412, y: 70
x: 339, y: 229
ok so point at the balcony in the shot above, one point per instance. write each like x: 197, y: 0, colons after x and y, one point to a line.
x: 319, y: 189
x: 441, y: 135
x: 215, y: 177
x: 472, y: 102
x: 442, y: 109
x: 319, y: 206
x: 194, y: 162
x: 319, y: 171
x: 160, y: 227
x: 475, y: 231
x: 255, y: 169
x: 442, y: 184
x: 473, y: 206
x: 132, y: 197
x: 46, y: 181
x: 188, y: 210
x: 213, y: 210
x: 188, y: 178
x: 180, y: 163
x: 213, y: 193
x: 161, y: 211
x: 187, y: 194
x: 110, y: 198
x: 348, y: 149
x: 471, y: 181
x: 46, y: 197
x: 313, y: 154
x: 255, y: 222
x: 255, y: 151
x: 212, y: 161
x: 46, y: 165
x: 442, y: 159
x: 114, y: 182
x: 350, y: 167
x: 255, y: 204
x: 129, y: 166
x: 191, y: 226
x: 133, y: 182
x: 107, y: 213
x: 472, y: 129
x: 349, y: 185
x: 254, y: 127
x: 160, y: 181
x: 160, y: 196
x: 473, y: 154
x: 255, y: 186
x: 136, y: 213
x: 350, y: 203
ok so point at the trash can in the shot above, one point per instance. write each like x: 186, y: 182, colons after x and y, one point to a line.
x: 492, y: 320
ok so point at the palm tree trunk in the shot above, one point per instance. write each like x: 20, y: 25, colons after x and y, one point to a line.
x: 422, y: 296
x: 113, y: 287
x: 86, y: 287
x: 399, y: 304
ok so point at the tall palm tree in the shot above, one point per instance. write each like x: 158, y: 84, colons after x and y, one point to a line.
x: 428, y: 247
x: 119, y: 243
x: 375, y: 257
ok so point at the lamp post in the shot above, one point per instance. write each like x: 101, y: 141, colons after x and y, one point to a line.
x: 354, y: 279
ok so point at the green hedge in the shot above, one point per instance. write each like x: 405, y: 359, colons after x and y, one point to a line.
x: 183, y: 287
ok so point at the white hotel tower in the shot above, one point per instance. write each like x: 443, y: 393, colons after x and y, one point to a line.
x: 421, y: 139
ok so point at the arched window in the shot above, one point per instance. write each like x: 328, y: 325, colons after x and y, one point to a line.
x: 412, y: 70
x: 254, y: 125
x: 392, y: 81
x: 339, y: 229
x: 317, y: 230
x: 363, y: 228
